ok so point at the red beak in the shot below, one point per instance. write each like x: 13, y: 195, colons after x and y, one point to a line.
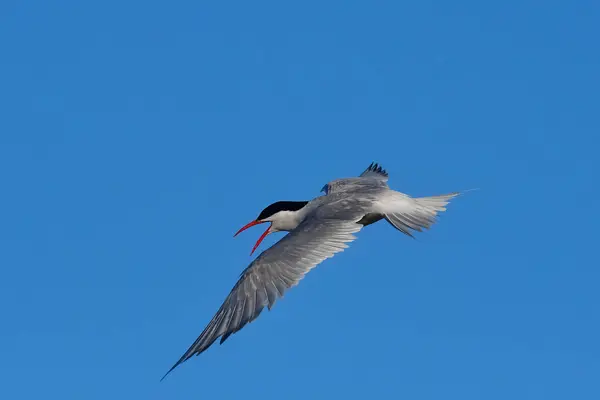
x: 260, y: 239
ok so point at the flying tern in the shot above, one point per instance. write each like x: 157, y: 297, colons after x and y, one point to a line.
x: 318, y: 229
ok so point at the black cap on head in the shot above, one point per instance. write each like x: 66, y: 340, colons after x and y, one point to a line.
x: 281, y: 206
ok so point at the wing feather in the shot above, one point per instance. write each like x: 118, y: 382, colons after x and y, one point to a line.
x: 373, y: 178
x: 375, y: 171
x: 270, y: 275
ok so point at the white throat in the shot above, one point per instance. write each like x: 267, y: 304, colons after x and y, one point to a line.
x: 285, y: 220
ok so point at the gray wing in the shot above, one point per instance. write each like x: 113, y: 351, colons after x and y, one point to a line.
x: 375, y: 171
x: 267, y: 278
x: 374, y: 178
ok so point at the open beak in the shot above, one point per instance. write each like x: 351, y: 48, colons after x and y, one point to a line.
x: 260, y: 239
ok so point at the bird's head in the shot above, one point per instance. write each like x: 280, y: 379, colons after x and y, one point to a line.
x: 283, y: 216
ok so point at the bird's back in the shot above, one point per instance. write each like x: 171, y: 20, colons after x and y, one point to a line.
x: 372, y: 180
x: 355, y: 185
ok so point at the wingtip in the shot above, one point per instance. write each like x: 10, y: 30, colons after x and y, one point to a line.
x: 375, y: 168
x: 182, y: 359
x: 168, y: 372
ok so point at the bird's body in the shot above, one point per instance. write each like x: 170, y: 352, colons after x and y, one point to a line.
x: 318, y: 229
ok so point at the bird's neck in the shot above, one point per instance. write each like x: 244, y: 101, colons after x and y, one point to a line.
x: 288, y: 220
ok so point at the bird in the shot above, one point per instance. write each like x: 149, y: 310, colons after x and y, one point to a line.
x: 317, y: 230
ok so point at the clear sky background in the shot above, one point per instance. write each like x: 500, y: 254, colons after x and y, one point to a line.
x: 137, y: 136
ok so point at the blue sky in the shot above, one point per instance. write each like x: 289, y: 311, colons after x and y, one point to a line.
x: 137, y: 136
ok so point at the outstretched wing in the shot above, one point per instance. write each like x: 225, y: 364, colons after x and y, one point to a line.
x: 267, y: 278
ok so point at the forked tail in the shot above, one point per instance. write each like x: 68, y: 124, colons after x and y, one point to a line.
x: 407, y: 213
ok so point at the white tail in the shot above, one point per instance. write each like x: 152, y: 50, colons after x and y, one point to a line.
x: 405, y: 213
